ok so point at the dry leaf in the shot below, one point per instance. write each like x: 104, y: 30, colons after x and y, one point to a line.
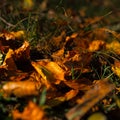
x: 114, y: 46
x: 23, y: 52
x: 21, y: 88
x: 31, y: 112
x: 80, y: 84
x: 9, y: 61
x: 116, y: 68
x: 58, y: 100
x: 94, y: 95
x: 50, y: 71
x: 96, y: 45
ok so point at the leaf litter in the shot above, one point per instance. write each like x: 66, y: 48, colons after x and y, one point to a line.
x: 69, y: 72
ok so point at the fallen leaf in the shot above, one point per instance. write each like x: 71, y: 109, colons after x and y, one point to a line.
x: 116, y: 67
x: 49, y: 71
x: 21, y: 88
x: 96, y: 45
x: 80, y: 84
x: 114, y: 46
x: 66, y: 97
x: 30, y: 112
x: 9, y: 60
x: 23, y: 52
x: 91, y: 97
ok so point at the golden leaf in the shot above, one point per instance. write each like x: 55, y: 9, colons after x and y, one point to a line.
x: 49, y: 71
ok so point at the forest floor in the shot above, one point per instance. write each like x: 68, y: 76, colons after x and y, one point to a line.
x: 59, y: 60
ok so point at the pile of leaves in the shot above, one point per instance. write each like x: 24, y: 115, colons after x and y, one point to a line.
x: 72, y: 74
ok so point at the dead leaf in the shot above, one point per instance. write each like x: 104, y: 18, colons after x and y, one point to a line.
x: 31, y: 112
x: 9, y: 60
x: 80, y: 84
x: 96, y: 45
x: 116, y: 68
x: 114, y: 46
x: 66, y: 97
x: 49, y: 71
x: 21, y: 88
x: 94, y: 95
x: 23, y: 52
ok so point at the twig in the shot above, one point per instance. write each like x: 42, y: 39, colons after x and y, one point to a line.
x: 9, y: 24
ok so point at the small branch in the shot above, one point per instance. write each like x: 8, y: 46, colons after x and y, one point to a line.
x: 7, y: 23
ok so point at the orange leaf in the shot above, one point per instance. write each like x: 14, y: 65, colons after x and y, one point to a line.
x: 96, y: 45
x: 21, y: 88
x: 31, y: 112
x: 49, y: 71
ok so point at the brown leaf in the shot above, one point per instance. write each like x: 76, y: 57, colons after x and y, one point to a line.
x: 11, y: 39
x: 94, y: 95
x: 66, y: 97
x: 31, y: 112
x: 80, y: 84
x: 23, y: 52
